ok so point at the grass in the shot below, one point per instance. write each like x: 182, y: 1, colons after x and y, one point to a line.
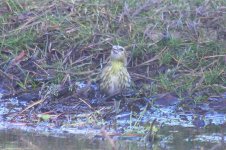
x: 70, y: 38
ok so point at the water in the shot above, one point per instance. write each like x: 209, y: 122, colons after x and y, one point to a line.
x: 19, y: 140
x: 175, y: 138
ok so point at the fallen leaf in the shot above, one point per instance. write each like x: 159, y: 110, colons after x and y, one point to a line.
x: 19, y: 58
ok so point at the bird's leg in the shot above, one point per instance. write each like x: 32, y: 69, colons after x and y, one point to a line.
x: 117, y: 106
x: 117, y: 102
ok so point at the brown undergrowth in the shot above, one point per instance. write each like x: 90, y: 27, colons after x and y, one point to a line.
x: 48, y: 47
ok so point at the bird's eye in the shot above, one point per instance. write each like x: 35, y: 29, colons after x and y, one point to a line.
x: 121, y: 49
x: 118, y: 48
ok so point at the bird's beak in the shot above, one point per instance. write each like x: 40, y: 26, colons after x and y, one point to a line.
x: 115, y: 51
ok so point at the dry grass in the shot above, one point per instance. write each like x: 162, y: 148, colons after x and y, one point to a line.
x: 60, y: 42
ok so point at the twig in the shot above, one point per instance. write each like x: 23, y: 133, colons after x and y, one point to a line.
x: 145, y: 7
x: 10, y: 77
x: 109, y: 139
x: 153, y: 59
x: 206, y: 57
x: 86, y: 103
x: 141, y: 76
x: 28, y: 107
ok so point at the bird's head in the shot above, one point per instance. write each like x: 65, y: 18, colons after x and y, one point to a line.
x: 118, y: 53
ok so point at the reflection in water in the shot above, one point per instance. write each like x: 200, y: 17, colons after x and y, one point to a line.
x: 18, y: 140
x: 175, y: 138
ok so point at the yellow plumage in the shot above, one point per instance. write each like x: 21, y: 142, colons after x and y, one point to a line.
x: 115, y: 77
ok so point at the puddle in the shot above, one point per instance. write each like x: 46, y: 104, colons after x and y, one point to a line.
x: 175, y: 138
x: 16, y: 140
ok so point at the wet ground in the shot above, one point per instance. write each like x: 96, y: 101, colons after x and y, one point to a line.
x: 159, y: 122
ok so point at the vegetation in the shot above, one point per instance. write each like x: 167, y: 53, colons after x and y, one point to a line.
x: 174, y: 46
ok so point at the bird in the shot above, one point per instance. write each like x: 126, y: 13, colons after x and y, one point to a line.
x: 115, y: 77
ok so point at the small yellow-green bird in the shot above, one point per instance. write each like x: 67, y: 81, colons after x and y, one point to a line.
x: 114, y: 76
